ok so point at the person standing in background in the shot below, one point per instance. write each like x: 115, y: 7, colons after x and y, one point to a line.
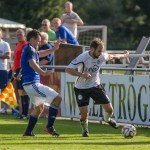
x: 46, y: 27
x: 5, y: 53
x: 71, y: 19
x: 24, y: 102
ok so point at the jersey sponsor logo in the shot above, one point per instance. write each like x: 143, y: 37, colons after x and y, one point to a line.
x: 95, y: 68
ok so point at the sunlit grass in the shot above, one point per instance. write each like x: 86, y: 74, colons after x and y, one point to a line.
x: 101, y: 136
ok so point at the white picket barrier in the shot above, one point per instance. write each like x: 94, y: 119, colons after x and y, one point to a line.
x: 129, y: 94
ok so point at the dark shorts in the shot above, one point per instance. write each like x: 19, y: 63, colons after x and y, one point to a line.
x: 3, y: 78
x: 19, y: 83
x: 98, y: 94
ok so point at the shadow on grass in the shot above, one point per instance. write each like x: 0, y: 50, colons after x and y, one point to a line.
x: 11, y: 125
x: 76, y: 142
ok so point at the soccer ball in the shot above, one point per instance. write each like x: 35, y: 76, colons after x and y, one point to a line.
x: 128, y: 131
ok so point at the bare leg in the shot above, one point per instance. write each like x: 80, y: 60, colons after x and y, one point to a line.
x: 84, y: 120
x: 108, y: 114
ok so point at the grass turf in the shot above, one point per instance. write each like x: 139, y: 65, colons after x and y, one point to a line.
x: 101, y: 137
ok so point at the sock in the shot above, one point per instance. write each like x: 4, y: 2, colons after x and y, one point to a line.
x: 26, y: 100
x: 107, y: 116
x: 22, y: 99
x: 84, y: 125
x: 52, y: 115
x: 31, y: 124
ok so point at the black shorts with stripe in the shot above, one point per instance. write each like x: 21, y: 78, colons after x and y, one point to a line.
x: 98, y: 94
x: 19, y: 82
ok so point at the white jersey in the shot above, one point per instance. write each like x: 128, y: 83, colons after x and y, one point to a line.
x: 4, y: 48
x: 86, y: 64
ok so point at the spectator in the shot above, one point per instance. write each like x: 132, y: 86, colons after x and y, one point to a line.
x: 39, y: 93
x: 28, y: 30
x: 46, y: 27
x: 47, y: 60
x: 5, y: 53
x: 64, y: 33
x: 24, y: 101
x: 71, y: 19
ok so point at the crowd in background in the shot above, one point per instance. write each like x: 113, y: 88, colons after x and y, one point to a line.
x: 65, y: 29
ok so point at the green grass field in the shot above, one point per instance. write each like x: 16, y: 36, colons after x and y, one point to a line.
x: 102, y: 137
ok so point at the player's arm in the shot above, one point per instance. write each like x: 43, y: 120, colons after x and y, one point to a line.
x: 36, y: 68
x: 78, y: 22
x: 46, y: 52
x: 64, y: 40
x: 74, y: 72
x: 43, y: 62
x: 5, y: 56
x: 64, y: 17
x: 118, y: 56
x: 76, y: 19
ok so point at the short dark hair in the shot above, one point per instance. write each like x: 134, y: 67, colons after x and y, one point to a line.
x: 96, y: 42
x: 33, y: 34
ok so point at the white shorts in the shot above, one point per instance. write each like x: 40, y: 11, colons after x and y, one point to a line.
x: 40, y: 94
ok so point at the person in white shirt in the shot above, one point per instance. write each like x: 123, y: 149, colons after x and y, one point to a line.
x: 70, y: 19
x: 87, y: 85
x: 5, y: 54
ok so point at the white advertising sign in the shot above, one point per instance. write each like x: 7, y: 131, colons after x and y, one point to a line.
x: 129, y: 95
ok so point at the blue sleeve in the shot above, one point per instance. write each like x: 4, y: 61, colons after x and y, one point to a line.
x: 63, y: 32
x: 30, y: 54
x: 57, y: 34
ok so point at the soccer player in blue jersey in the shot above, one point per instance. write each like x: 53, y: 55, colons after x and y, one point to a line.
x: 87, y: 66
x: 38, y: 93
x: 64, y: 33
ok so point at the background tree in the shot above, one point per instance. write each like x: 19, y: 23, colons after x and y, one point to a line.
x: 127, y: 20
x: 31, y: 12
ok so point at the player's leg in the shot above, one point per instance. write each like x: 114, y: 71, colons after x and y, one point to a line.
x: 33, y: 120
x: 108, y: 111
x: 25, y: 104
x: 3, y: 84
x: 108, y: 114
x: 84, y: 120
x: 53, y: 110
x: 38, y: 99
x: 82, y: 99
x: 24, y: 98
x: 98, y: 94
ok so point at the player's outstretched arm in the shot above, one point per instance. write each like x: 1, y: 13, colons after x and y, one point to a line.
x: 46, y: 52
x: 119, y: 56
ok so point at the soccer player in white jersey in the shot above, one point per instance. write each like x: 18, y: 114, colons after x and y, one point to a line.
x: 87, y: 66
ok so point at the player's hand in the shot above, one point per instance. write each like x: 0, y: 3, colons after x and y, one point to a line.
x: 19, y: 77
x: 48, y: 72
x: 70, y: 20
x: 13, y: 75
x: 126, y: 54
x: 86, y: 75
x: 56, y: 46
x: 66, y: 17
